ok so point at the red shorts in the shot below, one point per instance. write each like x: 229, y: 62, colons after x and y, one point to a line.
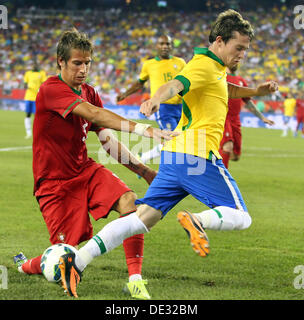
x: 232, y: 132
x: 65, y: 203
x: 300, y: 117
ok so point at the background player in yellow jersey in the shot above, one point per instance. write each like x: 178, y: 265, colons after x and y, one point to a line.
x: 159, y: 70
x: 289, y: 111
x: 187, y: 165
x: 33, y: 80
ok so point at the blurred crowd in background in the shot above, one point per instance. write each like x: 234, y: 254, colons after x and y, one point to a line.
x: 124, y: 39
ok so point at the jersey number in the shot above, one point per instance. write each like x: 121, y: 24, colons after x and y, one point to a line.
x: 168, y: 76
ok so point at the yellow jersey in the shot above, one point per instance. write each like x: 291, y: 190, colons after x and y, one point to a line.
x: 289, y: 107
x: 33, y: 79
x: 205, y: 105
x: 159, y: 71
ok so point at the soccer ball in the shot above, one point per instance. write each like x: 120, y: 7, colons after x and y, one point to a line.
x: 50, y: 261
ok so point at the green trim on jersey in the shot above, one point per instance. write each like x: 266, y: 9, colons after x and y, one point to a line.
x: 157, y: 58
x: 188, y: 114
x: 74, y: 90
x: 210, y: 155
x: 142, y: 81
x: 71, y: 105
x: 185, y: 82
x: 209, y: 54
x: 186, y: 109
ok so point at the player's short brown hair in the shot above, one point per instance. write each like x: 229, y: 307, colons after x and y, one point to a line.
x: 72, y: 39
x: 227, y: 23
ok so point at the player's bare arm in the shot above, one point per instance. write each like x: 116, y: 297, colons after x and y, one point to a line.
x: 235, y: 91
x: 123, y: 155
x: 253, y: 109
x: 136, y: 86
x: 164, y: 93
x: 107, y: 119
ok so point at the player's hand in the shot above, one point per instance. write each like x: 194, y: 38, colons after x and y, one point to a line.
x: 148, y: 107
x: 149, y: 175
x: 268, y: 121
x: 160, y: 135
x: 267, y: 88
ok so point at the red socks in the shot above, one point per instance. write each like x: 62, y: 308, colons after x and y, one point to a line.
x: 134, y: 250
x: 32, y: 266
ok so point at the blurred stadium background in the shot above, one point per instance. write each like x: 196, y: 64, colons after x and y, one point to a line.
x: 124, y: 33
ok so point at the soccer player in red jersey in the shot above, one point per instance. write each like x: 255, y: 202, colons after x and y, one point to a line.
x: 67, y: 183
x: 300, y: 115
x: 231, y: 144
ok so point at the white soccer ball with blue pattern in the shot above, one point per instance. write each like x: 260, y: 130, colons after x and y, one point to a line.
x: 50, y: 260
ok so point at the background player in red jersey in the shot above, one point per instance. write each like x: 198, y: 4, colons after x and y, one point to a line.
x: 67, y: 183
x: 231, y: 144
x: 300, y: 114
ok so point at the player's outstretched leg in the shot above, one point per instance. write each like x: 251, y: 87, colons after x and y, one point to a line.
x: 70, y: 274
x: 198, y: 237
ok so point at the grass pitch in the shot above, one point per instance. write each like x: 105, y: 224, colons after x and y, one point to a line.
x: 256, y: 264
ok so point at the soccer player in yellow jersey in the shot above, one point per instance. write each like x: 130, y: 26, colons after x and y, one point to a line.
x: 159, y: 70
x: 33, y: 80
x: 190, y: 162
x: 289, y: 111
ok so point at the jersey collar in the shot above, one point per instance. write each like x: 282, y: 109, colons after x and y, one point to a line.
x: 74, y: 90
x: 208, y: 53
x: 157, y: 58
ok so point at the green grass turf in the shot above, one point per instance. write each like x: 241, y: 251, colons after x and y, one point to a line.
x: 257, y: 263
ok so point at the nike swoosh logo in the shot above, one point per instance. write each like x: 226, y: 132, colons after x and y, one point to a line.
x: 219, y: 78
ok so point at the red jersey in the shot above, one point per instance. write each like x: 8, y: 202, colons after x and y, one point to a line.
x: 300, y: 107
x: 235, y: 105
x: 59, y: 148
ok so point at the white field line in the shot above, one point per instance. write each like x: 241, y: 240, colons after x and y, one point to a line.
x: 288, y: 155
x: 16, y: 149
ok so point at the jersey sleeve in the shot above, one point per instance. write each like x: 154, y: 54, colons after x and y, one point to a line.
x: 144, y: 73
x: 96, y: 101
x: 192, y: 76
x: 245, y: 85
x: 61, y: 99
x: 25, y: 78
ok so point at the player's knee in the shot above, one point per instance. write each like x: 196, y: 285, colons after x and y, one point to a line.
x: 130, y: 196
x: 148, y: 215
x: 126, y: 203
